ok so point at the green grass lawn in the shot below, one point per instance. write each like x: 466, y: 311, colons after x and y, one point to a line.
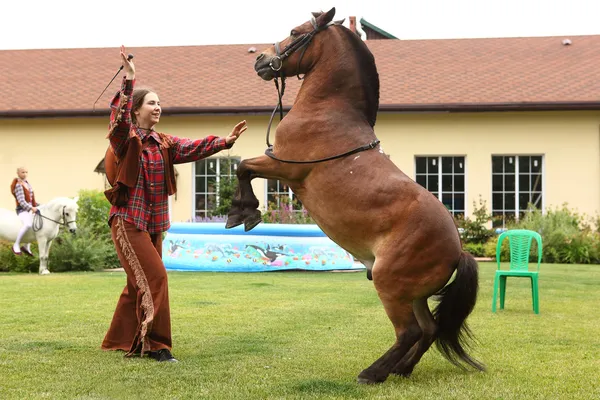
x: 292, y: 335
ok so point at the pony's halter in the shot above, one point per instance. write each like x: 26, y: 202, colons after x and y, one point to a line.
x: 38, y: 222
x: 301, y: 42
x: 64, y: 218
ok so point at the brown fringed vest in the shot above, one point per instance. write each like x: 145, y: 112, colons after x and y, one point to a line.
x: 122, y: 173
x: 29, y: 196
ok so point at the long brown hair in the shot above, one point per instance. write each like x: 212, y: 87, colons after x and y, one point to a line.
x: 137, y: 102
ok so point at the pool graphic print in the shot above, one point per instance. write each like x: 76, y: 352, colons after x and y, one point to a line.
x: 268, y: 247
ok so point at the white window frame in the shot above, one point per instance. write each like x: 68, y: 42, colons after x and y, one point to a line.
x: 217, y: 176
x: 440, y: 174
x: 289, y: 193
x: 517, y: 210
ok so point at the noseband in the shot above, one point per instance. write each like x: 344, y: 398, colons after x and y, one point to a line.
x: 276, y: 64
x: 301, y: 42
x: 39, y: 223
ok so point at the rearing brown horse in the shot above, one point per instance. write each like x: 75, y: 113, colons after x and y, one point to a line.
x: 325, y: 149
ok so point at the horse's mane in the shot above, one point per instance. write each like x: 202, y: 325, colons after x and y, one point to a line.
x: 59, y: 202
x: 368, y: 74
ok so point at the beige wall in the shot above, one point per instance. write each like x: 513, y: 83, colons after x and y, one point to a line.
x: 569, y: 142
x: 61, y: 154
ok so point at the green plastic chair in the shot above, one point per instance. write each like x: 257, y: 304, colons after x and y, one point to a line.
x: 520, y: 245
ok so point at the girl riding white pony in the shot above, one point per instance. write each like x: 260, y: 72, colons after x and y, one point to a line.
x: 21, y: 189
x: 45, y: 225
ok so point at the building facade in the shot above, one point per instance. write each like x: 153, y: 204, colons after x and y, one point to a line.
x: 510, y: 122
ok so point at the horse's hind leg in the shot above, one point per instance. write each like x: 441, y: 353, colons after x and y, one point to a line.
x: 429, y: 328
x: 407, y: 332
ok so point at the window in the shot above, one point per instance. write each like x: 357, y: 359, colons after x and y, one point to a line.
x: 208, y: 173
x: 445, y: 178
x: 516, y: 183
x: 278, y: 193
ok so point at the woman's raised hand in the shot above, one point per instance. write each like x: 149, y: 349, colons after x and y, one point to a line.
x: 128, y: 65
x: 236, y: 132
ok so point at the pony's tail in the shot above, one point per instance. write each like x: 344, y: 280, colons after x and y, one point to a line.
x: 456, y: 301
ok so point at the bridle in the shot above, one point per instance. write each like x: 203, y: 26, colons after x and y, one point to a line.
x: 38, y: 222
x: 301, y: 42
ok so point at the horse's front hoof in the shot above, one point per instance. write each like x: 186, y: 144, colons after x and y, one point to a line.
x: 233, y: 221
x: 251, y: 221
x: 367, y: 377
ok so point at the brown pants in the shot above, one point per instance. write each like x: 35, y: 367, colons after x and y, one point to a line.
x: 142, y: 320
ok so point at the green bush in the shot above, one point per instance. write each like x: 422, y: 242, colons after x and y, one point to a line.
x: 80, y: 252
x: 475, y: 231
x: 9, y: 262
x: 475, y: 249
x: 567, y: 236
x: 489, y: 249
x: 226, y: 190
x: 93, y: 214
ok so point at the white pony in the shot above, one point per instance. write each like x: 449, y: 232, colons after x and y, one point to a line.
x: 57, y: 212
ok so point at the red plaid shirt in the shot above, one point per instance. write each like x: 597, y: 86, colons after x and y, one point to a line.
x: 148, y: 206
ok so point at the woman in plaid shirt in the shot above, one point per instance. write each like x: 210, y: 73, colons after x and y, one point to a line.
x: 26, y: 207
x: 141, y: 323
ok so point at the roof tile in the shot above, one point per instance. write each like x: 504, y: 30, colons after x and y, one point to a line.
x: 417, y: 72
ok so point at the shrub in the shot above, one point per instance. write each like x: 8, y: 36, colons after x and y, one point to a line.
x: 567, y: 236
x: 475, y: 231
x: 9, y: 262
x: 80, y: 252
x: 476, y: 249
x: 288, y: 212
x: 93, y: 214
x: 489, y: 249
x: 226, y: 190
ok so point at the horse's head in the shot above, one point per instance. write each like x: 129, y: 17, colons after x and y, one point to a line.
x: 64, y: 211
x: 69, y: 214
x: 295, y: 54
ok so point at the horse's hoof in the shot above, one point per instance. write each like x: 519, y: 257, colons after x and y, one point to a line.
x: 253, y: 220
x: 366, y: 378
x: 233, y: 221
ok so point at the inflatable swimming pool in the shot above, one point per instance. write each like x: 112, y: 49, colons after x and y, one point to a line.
x: 268, y: 247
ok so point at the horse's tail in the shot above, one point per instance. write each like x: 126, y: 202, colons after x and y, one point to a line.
x: 456, y: 301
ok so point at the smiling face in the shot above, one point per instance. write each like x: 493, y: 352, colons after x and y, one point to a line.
x: 147, y: 112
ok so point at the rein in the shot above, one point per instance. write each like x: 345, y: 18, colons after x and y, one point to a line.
x: 370, y: 146
x: 276, y: 64
x: 38, y: 220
